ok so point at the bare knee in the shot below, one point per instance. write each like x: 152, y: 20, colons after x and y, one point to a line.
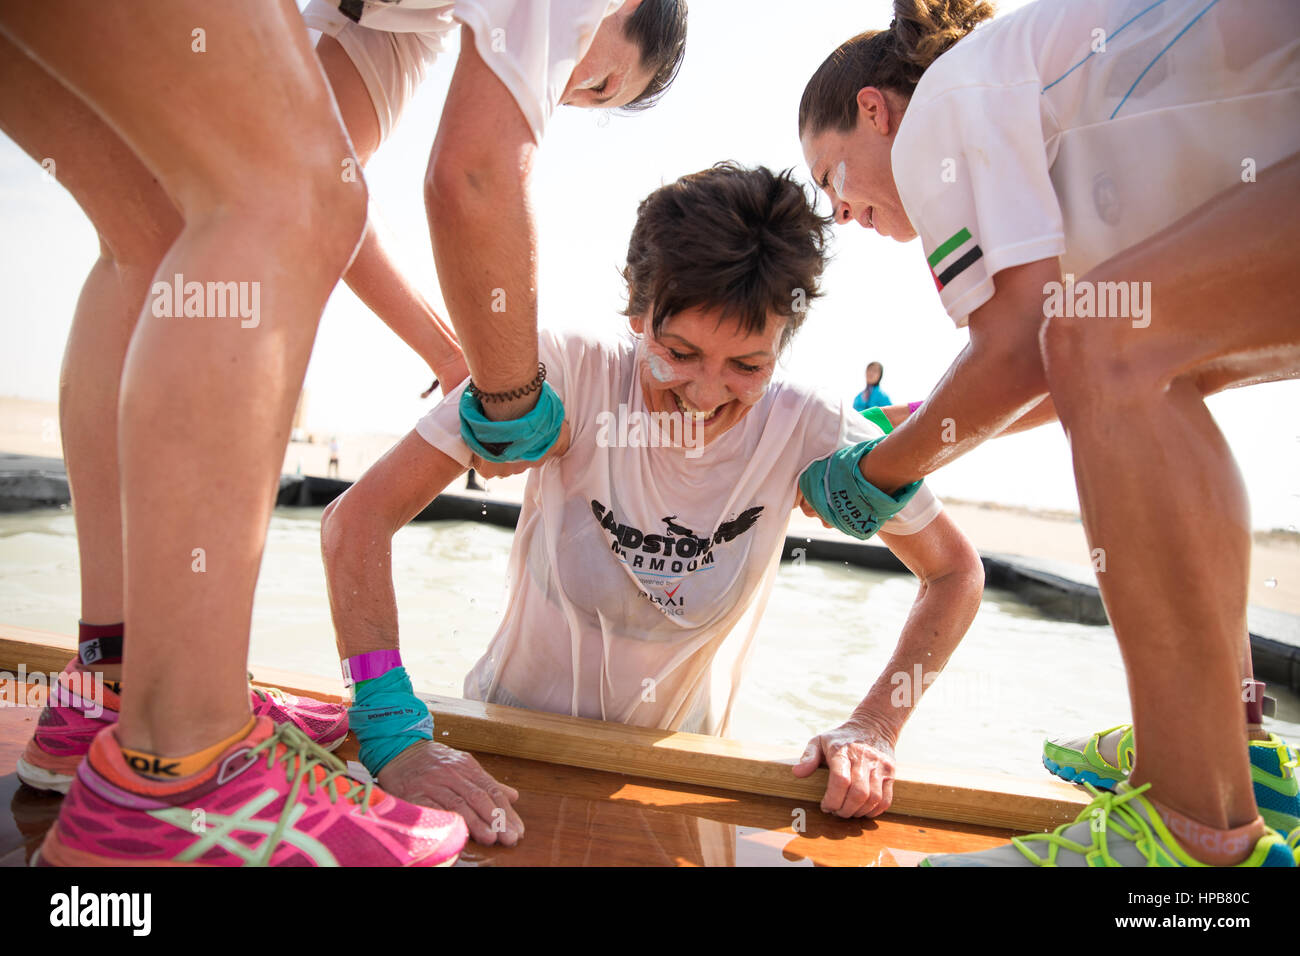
x: 311, y: 213
x: 340, y: 201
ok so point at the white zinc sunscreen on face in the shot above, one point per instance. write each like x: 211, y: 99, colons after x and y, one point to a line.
x: 659, y: 368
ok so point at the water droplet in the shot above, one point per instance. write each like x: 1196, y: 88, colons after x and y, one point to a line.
x: 1270, y: 582
x: 446, y: 733
x: 484, y: 510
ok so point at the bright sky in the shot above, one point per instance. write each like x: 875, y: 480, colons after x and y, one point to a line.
x: 736, y: 98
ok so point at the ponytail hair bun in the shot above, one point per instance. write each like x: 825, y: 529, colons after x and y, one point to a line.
x: 893, y: 59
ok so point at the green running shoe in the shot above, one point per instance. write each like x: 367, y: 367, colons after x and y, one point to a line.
x: 1116, y: 829
x: 1106, y: 758
x: 1273, y: 766
x: 1080, y: 760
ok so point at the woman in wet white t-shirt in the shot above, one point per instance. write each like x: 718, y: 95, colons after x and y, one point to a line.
x: 645, y: 554
x: 1106, y: 195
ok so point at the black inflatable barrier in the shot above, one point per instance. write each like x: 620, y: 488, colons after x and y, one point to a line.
x: 1059, y: 593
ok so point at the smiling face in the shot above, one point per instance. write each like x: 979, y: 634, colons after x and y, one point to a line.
x: 853, y: 168
x: 611, y: 73
x: 710, y: 370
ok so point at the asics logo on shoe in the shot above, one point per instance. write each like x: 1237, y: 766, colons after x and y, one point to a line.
x: 154, y: 766
x: 234, y: 765
x: 221, y: 827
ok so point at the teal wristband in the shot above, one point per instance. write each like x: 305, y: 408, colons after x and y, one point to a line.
x: 519, y: 439
x: 835, y: 488
x: 387, y: 718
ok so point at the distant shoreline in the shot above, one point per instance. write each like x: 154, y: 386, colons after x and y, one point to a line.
x: 30, y: 427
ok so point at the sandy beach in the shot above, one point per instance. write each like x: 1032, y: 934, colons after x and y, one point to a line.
x: 31, y: 428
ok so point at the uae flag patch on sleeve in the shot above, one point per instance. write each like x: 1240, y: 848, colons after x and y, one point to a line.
x: 953, y: 256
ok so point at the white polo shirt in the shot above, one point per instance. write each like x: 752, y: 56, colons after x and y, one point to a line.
x: 1078, y: 128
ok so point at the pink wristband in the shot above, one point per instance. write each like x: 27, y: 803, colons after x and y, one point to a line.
x: 913, y: 406
x: 369, y: 665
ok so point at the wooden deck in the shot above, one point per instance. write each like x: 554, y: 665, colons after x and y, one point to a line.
x: 599, y: 794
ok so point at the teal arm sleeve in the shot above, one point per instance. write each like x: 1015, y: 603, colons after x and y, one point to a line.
x: 517, y: 439
x: 387, y: 718
x: 835, y: 488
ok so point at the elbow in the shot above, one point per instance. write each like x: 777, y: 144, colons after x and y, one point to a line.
x: 972, y: 577
x: 331, y: 532
x: 1021, y: 364
x: 455, y: 184
x: 963, y: 575
x: 438, y: 185
x: 337, y: 528
x: 354, y: 529
x: 461, y: 180
x: 968, y: 569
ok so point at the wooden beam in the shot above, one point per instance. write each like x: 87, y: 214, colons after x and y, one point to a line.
x: 36, y: 650
x: 745, y: 767
x: 956, y: 795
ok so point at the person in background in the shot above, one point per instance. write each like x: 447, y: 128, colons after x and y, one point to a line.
x: 873, y: 396
x: 333, y: 470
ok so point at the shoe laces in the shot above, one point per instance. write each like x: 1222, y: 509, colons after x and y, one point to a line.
x: 1107, y: 813
x: 272, y: 693
x: 269, y: 693
x: 301, y: 757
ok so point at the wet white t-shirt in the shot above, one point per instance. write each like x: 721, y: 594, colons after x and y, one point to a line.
x: 532, y: 46
x: 1078, y: 128
x: 638, y: 573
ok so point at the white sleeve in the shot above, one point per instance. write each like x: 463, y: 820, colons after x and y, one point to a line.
x: 830, y: 425
x: 533, y: 46
x: 440, y: 426
x: 978, y: 192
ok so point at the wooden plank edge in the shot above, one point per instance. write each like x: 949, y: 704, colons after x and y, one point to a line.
x: 958, y: 796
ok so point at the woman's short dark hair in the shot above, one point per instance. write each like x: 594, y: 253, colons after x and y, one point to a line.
x: 658, y: 28
x: 747, y: 242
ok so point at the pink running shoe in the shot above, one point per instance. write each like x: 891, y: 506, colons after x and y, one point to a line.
x: 273, y: 798
x: 325, y: 724
x: 77, y: 710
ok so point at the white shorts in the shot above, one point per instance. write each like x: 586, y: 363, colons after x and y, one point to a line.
x: 392, y: 65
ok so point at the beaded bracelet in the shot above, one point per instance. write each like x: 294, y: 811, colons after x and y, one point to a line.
x: 514, y: 393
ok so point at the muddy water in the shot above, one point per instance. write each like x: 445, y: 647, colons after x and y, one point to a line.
x: 828, y: 631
